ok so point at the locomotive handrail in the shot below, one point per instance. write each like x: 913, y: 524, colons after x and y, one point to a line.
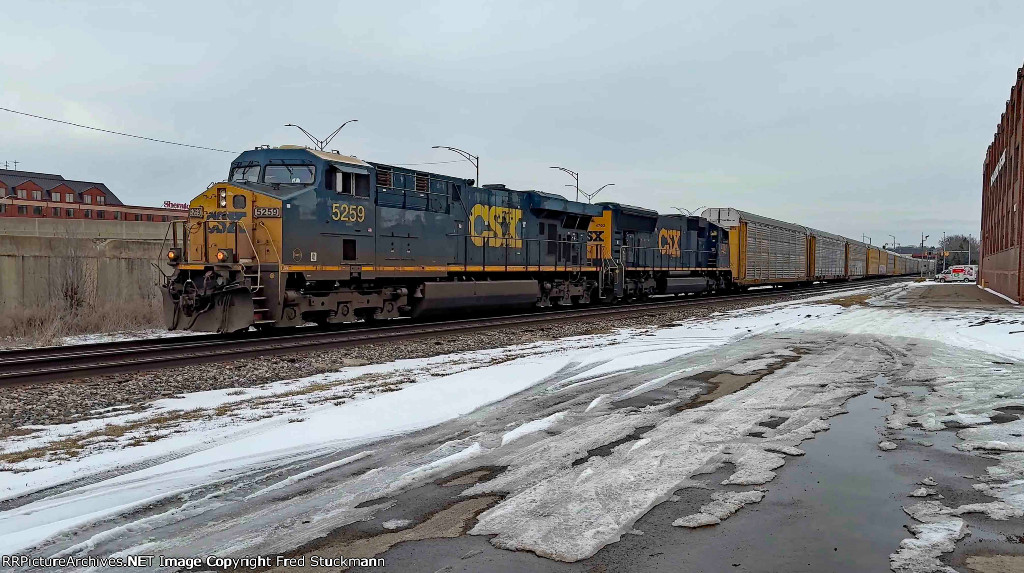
x: 259, y: 266
x: 281, y: 279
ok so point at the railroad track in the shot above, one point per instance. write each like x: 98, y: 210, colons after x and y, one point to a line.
x: 55, y: 363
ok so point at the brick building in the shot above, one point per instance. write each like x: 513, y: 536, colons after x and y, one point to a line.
x: 28, y: 194
x: 1002, y: 212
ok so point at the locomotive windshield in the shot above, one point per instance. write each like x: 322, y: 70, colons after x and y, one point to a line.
x: 289, y: 174
x: 246, y: 173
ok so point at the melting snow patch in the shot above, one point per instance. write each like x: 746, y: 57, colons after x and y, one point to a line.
x: 784, y: 449
x: 437, y: 467
x: 397, y: 523
x: 886, y: 446
x: 307, y: 474
x: 597, y: 402
x: 640, y: 444
x: 723, y: 504
x: 531, y: 427
x: 999, y: 294
x: 754, y: 466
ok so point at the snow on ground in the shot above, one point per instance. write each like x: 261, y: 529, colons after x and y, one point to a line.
x: 120, y: 462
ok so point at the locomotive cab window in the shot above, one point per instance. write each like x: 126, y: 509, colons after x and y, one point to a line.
x: 249, y: 173
x: 344, y: 183
x: 289, y: 174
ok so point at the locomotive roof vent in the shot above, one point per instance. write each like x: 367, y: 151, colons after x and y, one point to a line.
x: 494, y: 186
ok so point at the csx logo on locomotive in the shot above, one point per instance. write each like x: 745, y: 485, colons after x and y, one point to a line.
x: 495, y: 226
x: 668, y: 242
x: 224, y: 222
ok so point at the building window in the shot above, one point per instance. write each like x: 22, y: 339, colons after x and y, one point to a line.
x: 37, y: 210
x: 117, y: 215
x: 55, y: 211
x: 101, y: 214
x: 22, y: 194
x: 87, y: 199
x: 136, y: 217
x: 69, y: 212
x: 3, y: 207
x: 69, y: 197
x: 87, y: 213
x: 23, y: 209
x: 37, y: 195
x: 101, y: 199
x: 55, y: 196
x: 149, y: 217
x: 164, y: 218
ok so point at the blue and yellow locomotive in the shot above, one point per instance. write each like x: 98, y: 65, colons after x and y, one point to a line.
x: 296, y: 235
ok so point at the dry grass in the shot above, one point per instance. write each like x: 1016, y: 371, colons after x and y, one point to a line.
x: 73, y: 445
x: 48, y: 323
x: 73, y: 302
x: 852, y: 300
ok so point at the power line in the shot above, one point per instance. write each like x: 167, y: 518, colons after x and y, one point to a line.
x: 115, y: 132
x: 426, y: 163
x: 176, y: 143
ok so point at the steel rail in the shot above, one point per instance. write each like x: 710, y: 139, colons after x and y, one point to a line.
x: 69, y: 362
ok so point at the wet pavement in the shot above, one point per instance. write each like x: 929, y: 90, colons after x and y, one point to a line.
x: 615, y: 457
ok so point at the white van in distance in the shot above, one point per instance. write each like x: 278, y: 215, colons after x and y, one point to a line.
x: 958, y: 273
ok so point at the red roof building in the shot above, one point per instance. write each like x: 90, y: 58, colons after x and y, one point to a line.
x: 29, y: 194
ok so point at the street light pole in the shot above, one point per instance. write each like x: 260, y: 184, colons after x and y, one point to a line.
x: 590, y: 196
x: 575, y: 176
x: 474, y: 159
x: 688, y: 212
x: 321, y: 144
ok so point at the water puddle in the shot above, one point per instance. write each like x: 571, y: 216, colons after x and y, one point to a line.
x: 837, y: 509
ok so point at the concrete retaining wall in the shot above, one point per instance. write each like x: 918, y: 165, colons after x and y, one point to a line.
x: 34, y: 270
x: 82, y: 228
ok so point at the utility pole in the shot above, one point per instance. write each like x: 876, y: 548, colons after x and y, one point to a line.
x: 923, y: 239
x: 943, y: 251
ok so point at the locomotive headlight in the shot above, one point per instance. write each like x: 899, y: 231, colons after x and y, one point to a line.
x: 222, y: 195
x: 173, y: 256
x: 222, y: 256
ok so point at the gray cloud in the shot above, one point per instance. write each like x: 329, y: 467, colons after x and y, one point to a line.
x: 870, y: 117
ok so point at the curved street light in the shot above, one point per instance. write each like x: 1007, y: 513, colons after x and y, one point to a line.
x: 687, y: 212
x: 474, y: 159
x: 321, y: 144
x: 590, y: 196
x: 575, y: 176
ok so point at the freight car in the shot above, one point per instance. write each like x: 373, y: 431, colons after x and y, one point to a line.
x: 296, y: 235
x: 769, y: 251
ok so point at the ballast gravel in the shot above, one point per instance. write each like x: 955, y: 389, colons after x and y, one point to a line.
x: 64, y: 402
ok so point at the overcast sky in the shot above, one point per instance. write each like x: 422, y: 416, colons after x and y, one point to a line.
x: 854, y: 117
